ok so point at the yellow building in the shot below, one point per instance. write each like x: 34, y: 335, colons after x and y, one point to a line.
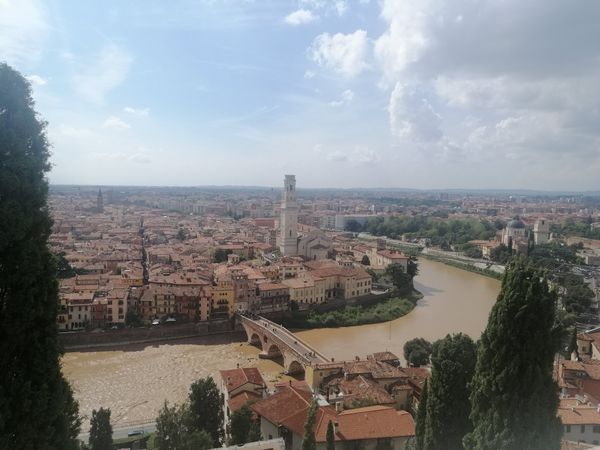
x: 223, y: 297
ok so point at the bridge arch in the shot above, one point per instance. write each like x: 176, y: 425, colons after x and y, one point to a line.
x: 274, y: 351
x: 295, y: 368
x: 255, y: 340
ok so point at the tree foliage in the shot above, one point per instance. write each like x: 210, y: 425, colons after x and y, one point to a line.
x: 514, y: 398
x: 402, y: 281
x: 440, y: 232
x: 421, y: 417
x: 221, y: 255
x: 309, y: 442
x: 206, y: 412
x: 37, y: 409
x: 241, y: 427
x: 447, y: 419
x: 101, y: 430
x: 365, y: 261
x: 330, y: 436
x: 174, y: 430
x: 417, y: 352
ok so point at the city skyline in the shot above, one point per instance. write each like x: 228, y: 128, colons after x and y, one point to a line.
x: 353, y: 94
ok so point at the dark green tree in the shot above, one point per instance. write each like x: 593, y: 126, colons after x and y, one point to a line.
x: 417, y: 352
x: 365, y: 261
x: 309, y: 442
x: 37, y: 409
x: 421, y: 417
x: 206, y: 412
x: 330, y: 436
x: 514, y: 398
x: 573, y: 348
x: 447, y: 419
x: 63, y: 267
x: 174, y: 430
x: 254, y: 435
x: 240, y: 424
x: 100, y: 430
x: 401, y: 280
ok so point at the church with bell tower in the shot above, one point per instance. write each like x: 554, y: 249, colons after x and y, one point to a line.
x: 288, y: 223
x: 311, y: 246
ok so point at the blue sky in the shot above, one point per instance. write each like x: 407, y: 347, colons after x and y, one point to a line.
x: 354, y: 93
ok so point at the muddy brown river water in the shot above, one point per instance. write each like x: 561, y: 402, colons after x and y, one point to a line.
x: 135, y: 381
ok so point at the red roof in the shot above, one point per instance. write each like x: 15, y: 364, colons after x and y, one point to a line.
x: 234, y: 378
x: 241, y: 399
x: 289, y: 407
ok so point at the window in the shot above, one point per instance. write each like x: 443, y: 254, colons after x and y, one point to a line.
x: 596, y: 428
x: 567, y: 428
x: 582, y: 428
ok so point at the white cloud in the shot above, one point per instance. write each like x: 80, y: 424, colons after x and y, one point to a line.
x: 346, y: 97
x: 115, y: 123
x: 412, y: 117
x: 140, y: 158
x: 337, y: 156
x: 341, y: 7
x: 107, y: 71
x: 36, y: 80
x: 137, y: 111
x: 359, y: 156
x: 300, y: 17
x: 74, y: 132
x: 407, y: 36
x: 343, y: 53
x: 23, y: 29
x: 309, y: 74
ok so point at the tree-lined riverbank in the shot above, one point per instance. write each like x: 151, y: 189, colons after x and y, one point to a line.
x: 385, y: 311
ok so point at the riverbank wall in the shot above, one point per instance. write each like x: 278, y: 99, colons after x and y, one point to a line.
x: 81, y: 340
x: 469, y: 266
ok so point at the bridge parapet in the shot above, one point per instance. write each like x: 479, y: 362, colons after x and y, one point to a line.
x: 295, y: 351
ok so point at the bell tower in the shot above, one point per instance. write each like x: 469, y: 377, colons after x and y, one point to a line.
x: 288, y: 223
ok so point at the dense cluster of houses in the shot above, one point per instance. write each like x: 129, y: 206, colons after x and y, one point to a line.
x: 160, y: 265
x: 369, y: 402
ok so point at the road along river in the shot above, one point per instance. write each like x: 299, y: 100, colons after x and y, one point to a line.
x: 135, y: 381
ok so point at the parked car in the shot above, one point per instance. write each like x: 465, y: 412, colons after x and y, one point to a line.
x: 156, y: 322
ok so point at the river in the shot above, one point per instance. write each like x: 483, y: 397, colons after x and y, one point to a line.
x: 135, y: 381
x: 454, y: 300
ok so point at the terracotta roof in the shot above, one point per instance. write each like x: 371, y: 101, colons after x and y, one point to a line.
x: 241, y: 399
x: 371, y: 422
x: 234, y: 378
x: 289, y: 408
x: 384, y: 356
x: 578, y: 415
x: 391, y: 254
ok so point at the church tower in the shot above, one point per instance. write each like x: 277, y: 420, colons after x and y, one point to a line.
x: 288, y: 223
x: 99, y: 202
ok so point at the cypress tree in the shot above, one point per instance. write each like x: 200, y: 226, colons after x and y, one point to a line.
x: 309, y: 442
x: 447, y: 419
x: 514, y: 398
x: 330, y: 436
x: 37, y: 410
x: 421, y: 416
x: 101, y: 430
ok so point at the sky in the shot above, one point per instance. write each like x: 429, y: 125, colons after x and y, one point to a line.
x: 428, y: 94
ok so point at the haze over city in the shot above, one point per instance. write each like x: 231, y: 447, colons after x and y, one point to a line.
x: 418, y: 94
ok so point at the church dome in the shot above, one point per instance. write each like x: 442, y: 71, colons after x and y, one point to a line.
x: 515, y: 223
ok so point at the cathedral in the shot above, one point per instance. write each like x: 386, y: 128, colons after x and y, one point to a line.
x: 311, y: 246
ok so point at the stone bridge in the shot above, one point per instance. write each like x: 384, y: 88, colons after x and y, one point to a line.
x: 277, y: 342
